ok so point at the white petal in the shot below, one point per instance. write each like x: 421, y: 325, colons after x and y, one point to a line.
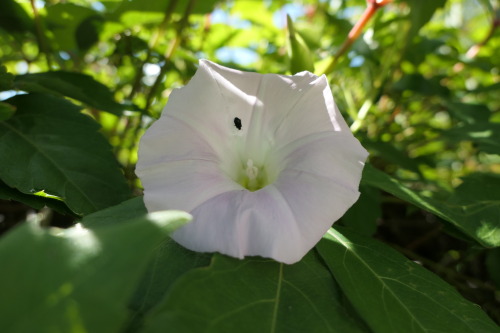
x: 174, y: 164
x: 334, y: 155
x: 290, y: 126
x: 243, y: 223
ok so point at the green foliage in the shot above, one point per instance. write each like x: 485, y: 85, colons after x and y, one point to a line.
x: 47, y: 142
x: 89, y: 273
x: 404, y: 297
x: 419, y: 88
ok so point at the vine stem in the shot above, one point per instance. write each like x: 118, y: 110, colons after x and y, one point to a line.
x: 373, y: 6
x: 41, y: 36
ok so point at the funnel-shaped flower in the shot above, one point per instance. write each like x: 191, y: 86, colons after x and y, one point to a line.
x: 264, y: 163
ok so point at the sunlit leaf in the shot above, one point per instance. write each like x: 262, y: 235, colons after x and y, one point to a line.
x: 300, y: 56
x: 63, y: 20
x: 52, y: 147
x: 394, y: 294
x: 169, y: 261
x: 76, y: 280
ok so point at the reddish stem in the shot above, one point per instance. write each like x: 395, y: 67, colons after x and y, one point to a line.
x: 373, y: 6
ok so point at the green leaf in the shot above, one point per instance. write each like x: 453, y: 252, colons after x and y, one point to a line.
x: 63, y: 20
x: 485, y: 135
x: 35, y: 201
x: 6, y: 111
x: 74, y: 85
x: 255, y: 295
x: 420, y: 84
x: 128, y: 209
x: 6, y: 79
x: 76, y: 280
x: 300, y: 56
x: 200, y: 7
x: 392, y: 293
x: 170, y: 260
x: 469, y: 113
x: 363, y: 215
x: 493, y: 265
x: 469, y: 211
x: 13, y: 18
x: 49, y: 145
x: 421, y: 13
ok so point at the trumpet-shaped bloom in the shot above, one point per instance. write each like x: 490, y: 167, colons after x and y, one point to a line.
x: 265, y: 163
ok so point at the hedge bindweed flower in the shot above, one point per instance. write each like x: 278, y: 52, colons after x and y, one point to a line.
x: 265, y: 163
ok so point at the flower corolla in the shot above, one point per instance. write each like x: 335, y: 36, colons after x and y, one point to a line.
x: 265, y: 163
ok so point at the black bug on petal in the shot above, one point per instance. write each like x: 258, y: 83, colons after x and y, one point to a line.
x: 237, y: 123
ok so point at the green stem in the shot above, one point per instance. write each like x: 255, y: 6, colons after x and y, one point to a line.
x: 170, y: 52
x: 42, y: 43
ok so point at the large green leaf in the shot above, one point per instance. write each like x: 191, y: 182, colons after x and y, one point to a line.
x: 76, y: 280
x: 169, y: 261
x: 255, y: 295
x: 74, y: 85
x: 474, y: 214
x: 49, y: 145
x: 394, y: 294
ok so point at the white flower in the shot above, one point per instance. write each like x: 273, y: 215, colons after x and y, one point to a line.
x: 264, y: 163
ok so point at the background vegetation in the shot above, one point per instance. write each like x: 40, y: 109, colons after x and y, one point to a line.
x: 81, y: 80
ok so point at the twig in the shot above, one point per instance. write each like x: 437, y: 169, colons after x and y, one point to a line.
x: 373, y: 6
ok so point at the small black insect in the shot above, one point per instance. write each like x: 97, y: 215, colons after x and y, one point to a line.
x: 237, y: 123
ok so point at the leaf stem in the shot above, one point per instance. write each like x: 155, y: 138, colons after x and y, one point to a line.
x: 42, y: 42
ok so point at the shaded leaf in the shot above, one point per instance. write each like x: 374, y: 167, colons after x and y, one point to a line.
x: 485, y: 135
x: 76, y: 280
x: 421, y: 12
x: 493, y: 266
x: 419, y: 83
x: 6, y: 111
x: 51, y: 146
x: 255, y: 295
x: 394, y: 294
x: 74, y: 85
x: 469, y: 113
x: 363, y: 215
x: 6, y: 79
x: 13, y: 18
x: 475, y: 216
x: 170, y: 261
x: 34, y: 201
